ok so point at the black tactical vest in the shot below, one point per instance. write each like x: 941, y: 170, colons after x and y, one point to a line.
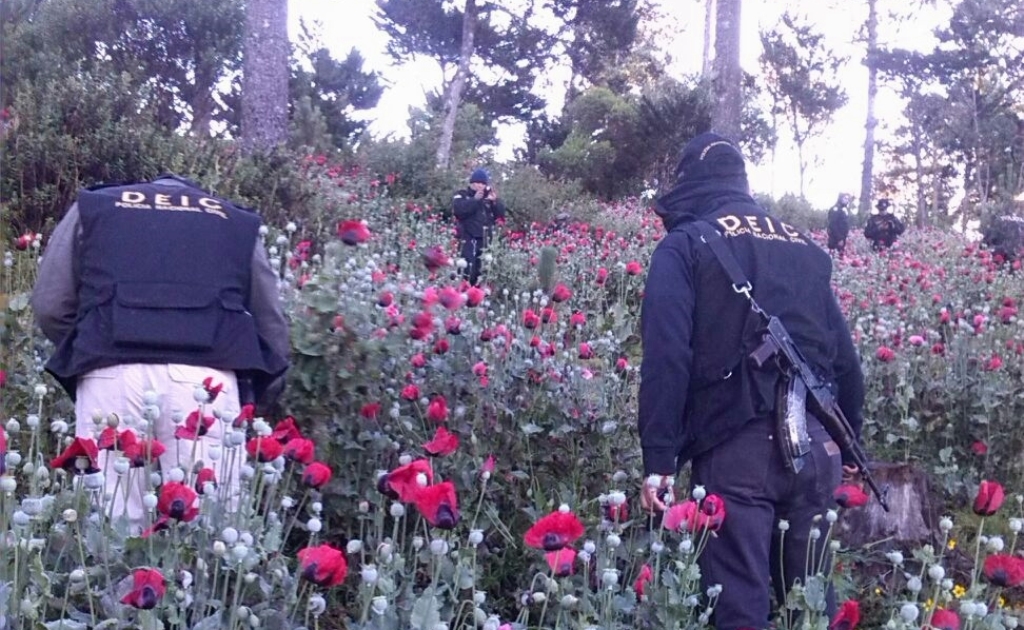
x: 791, y: 280
x: 164, y: 271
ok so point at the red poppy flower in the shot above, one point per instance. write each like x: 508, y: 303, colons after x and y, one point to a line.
x: 474, y: 296
x: 322, y: 565
x: 353, y: 232
x: 245, y: 416
x: 401, y: 483
x: 850, y: 496
x: 205, y: 476
x: 848, y: 616
x: 285, y: 431
x: 439, y: 505
x: 316, y: 475
x: 418, y: 360
x: 300, y: 450
x: 560, y: 293
x: 943, y: 619
x: 554, y: 531
x: 633, y: 268
x: 111, y: 439
x: 434, y: 258
x: 212, y: 389
x: 437, y: 410
x: 712, y: 513
x: 450, y: 298
x: 142, y: 452
x: 617, y: 512
x: 530, y: 319
x: 24, y: 241
x: 264, y: 449
x: 177, y: 501
x: 642, y: 579
x: 148, y: 588
x: 979, y: 447
x: 562, y: 561
x: 602, y: 276
x: 1004, y: 570
x: 577, y: 319
x: 885, y: 354
x: 410, y: 392
x: 444, y: 443
x: 681, y: 515
x: 194, y: 428
x: 370, y: 410
x: 79, y: 457
x: 453, y: 325
x: 585, y: 351
x: 990, y: 498
x: 488, y: 465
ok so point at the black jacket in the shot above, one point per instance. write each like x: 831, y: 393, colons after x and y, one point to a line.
x: 697, y: 386
x: 476, y: 217
x: 164, y: 276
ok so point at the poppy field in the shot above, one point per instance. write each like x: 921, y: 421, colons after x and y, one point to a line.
x: 448, y: 456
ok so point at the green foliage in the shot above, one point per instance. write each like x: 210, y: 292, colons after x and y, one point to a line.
x: 531, y: 197
x: 76, y: 131
x: 596, y: 151
x: 332, y: 91
x: 794, y: 210
x: 670, y: 115
x: 800, y: 75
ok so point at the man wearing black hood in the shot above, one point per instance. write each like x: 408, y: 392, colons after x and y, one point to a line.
x: 701, y: 399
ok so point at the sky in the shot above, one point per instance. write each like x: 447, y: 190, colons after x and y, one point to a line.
x: 835, y: 156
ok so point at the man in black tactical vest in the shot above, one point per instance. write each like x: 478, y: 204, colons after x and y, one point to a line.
x: 883, y: 227
x: 703, y: 400
x: 148, y: 290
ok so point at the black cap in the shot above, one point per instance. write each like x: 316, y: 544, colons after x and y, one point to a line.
x: 710, y: 156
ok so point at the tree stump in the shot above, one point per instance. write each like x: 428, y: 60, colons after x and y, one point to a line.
x: 912, y: 519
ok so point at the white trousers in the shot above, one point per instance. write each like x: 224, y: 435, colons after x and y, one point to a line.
x: 124, y: 390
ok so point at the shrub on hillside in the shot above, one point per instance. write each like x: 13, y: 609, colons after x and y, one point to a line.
x: 794, y: 210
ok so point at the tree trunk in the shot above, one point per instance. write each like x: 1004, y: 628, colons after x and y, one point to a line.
x: 451, y: 107
x: 866, y: 173
x: 921, y: 182
x: 728, y: 74
x: 265, y: 75
x: 709, y: 36
x: 913, y: 519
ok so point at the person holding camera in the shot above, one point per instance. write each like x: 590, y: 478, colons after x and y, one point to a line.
x: 883, y: 227
x: 477, y: 209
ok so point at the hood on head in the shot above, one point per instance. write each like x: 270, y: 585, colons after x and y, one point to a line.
x: 711, y: 173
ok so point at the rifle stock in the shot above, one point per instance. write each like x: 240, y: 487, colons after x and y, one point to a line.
x: 778, y: 344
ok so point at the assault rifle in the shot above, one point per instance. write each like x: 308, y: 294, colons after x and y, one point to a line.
x: 777, y: 344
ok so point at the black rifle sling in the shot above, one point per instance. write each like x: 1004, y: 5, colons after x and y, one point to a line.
x: 740, y: 283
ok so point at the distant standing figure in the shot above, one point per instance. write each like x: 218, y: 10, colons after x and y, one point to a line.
x: 883, y: 228
x: 839, y: 224
x: 477, y: 209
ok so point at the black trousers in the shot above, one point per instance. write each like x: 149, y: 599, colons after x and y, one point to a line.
x: 470, y: 251
x: 746, y: 558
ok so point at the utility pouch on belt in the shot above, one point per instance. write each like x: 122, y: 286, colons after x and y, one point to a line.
x: 791, y: 422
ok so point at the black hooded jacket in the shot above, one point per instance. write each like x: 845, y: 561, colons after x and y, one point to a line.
x: 697, y: 385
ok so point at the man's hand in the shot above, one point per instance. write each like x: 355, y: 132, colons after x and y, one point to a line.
x: 492, y: 194
x: 657, y: 493
x: 851, y: 474
x: 479, y: 193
